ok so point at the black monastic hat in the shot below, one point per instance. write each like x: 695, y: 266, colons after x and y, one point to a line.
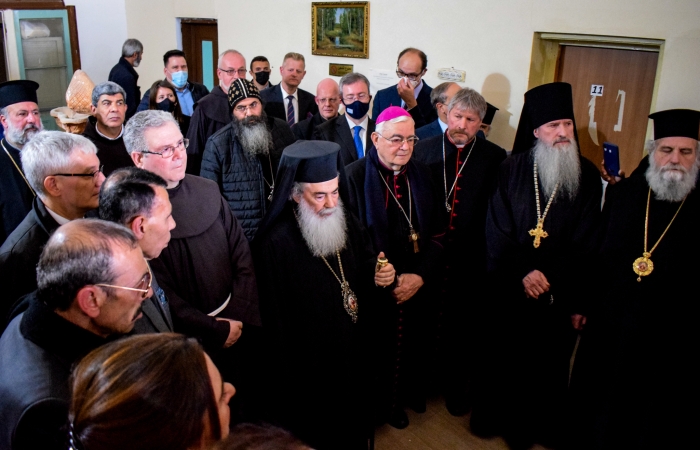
x: 676, y: 123
x: 241, y: 89
x: 307, y: 162
x: 490, y: 112
x: 543, y: 104
x: 18, y: 91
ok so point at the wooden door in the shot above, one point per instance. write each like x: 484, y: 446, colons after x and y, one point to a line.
x: 612, y: 91
x: 201, y: 46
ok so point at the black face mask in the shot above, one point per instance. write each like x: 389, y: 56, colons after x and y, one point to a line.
x: 357, y: 110
x: 262, y: 77
x: 166, y: 105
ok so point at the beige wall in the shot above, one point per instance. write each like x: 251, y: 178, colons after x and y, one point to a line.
x: 491, y: 41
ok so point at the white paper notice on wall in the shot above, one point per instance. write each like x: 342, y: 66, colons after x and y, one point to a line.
x: 381, y: 78
x: 597, y: 90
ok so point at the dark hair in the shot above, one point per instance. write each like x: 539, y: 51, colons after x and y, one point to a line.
x: 78, y: 254
x: 248, y: 436
x: 150, y: 391
x: 170, y: 53
x: 153, y: 94
x: 128, y: 193
x: 258, y: 59
x: 423, y: 57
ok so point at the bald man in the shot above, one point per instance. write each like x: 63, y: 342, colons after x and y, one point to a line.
x: 328, y: 101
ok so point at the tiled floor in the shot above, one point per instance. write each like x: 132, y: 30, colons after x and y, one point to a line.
x: 435, y: 429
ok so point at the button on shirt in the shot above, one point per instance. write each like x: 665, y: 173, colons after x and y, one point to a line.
x: 286, y: 94
x: 186, y: 100
x: 363, y: 133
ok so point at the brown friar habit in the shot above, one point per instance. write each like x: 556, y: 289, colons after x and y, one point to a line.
x: 207, y: 259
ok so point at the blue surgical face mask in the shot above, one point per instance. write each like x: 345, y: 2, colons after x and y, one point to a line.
x: 179, y: 79
x: 357, y: 110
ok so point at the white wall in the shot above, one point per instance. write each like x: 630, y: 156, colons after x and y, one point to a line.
x: 101, y: 33
x: 491, y: 41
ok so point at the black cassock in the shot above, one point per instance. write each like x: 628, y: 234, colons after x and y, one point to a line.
x: 318, y: 365
x: 635, y: 367
x: 525, y: 374
x: 15, y: 195
x: 465, y: 245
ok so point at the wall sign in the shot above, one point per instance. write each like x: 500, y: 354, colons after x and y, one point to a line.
x: 597, y: 90
x: 338, y: 70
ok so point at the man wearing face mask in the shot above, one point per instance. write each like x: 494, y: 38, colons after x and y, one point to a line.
x: 175, y: 70
x: 124, y: 75
x: 411, y: 92
x: 106, y: 126
x: 260, y: 71
x: 213, y: 112
x: 352, y: 130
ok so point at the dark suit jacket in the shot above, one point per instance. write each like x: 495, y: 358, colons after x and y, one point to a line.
x: 198, y: 91
x: 304, y: 129
x: 430, y: 130
x: 337, y: 130
x: 19, y: 256
x: 274, y: 105
x: 156, y: 313
x: 422, y: 114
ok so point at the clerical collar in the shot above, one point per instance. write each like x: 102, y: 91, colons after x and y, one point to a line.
x: 387, y: 170
x: 60, y: 220
x: 107, y: 137
x: 449, y: 138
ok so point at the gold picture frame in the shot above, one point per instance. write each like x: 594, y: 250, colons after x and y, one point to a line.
x: 340, y: 29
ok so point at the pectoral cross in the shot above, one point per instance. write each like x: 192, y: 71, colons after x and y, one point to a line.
x: 413, y: 237
x: 538, y: 233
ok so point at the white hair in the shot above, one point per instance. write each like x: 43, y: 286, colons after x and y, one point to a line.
x: 380, y: 126
x: 135, y: 129
x: 671, y: 182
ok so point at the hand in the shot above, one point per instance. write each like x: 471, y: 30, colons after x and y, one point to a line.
x: 578, y: 321
x: 535, y: 284
x: 406, y: 93
x: 234, y: 333
x: 606, y: 176
x: 406, y: 286
x: 385, y: 276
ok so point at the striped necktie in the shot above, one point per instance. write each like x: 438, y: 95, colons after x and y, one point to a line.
x: 290, y: 110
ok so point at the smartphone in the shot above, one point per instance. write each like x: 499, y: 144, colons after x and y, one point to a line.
x: 611, y: 159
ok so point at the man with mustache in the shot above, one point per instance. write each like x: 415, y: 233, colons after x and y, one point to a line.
x: 464, y: 168
x: 20, y: 118
x: 318, y: 281
x: 540, y: 234
x: 92, y: 279
x: 64, y: 171
x: 633, y: 374
x: 242, y: 157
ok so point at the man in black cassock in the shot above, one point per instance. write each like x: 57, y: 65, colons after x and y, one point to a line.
x: 206, y: 270
x: 19, y: 115
x: 394, y: 198
x: 308, y: 248
x: 634, y: 369
x: 464, y: 167
x: 540, y: 232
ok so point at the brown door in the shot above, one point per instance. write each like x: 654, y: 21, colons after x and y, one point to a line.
x: 201, y: 46
x: 612, y: 99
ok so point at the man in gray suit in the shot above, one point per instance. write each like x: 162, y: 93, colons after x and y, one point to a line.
x: 138, y: 200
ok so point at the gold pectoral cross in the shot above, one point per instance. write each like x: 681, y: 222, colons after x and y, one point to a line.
x: 413, y: 237
x: 538, y: 233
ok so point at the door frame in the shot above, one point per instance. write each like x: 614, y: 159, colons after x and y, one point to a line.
x: 546, y: 51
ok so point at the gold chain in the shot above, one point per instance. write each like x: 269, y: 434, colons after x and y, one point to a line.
x: 646, y: 224
x: 18, y: 169
x: 537, y: 197
x: 342, y: 274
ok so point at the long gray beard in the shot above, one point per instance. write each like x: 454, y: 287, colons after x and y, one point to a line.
x: 253, y: 135
x: 669, y: 185
x: 561, y: 165
x: 21, y: 137
x: 325, y: 231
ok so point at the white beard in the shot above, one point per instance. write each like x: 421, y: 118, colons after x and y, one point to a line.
x: 325, y: 232
x: 672, y: 182
x: 22, y: 136
x: 560, y: 164
x: 254, y: 136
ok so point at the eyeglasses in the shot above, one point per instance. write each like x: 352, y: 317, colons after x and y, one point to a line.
x: 241, y: 72
x: 145, y: 281
x: 170, y: 151
x: 396, y: 141
x: 242, y: 109
x: 84, y: 175
x: 410, y: 76
x: 351, y: 98
x: 330, y: 100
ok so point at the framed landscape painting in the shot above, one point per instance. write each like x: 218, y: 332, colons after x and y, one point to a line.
x: 340, y: 29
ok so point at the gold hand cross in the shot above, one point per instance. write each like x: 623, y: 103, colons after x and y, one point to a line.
x: 538, y: 233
